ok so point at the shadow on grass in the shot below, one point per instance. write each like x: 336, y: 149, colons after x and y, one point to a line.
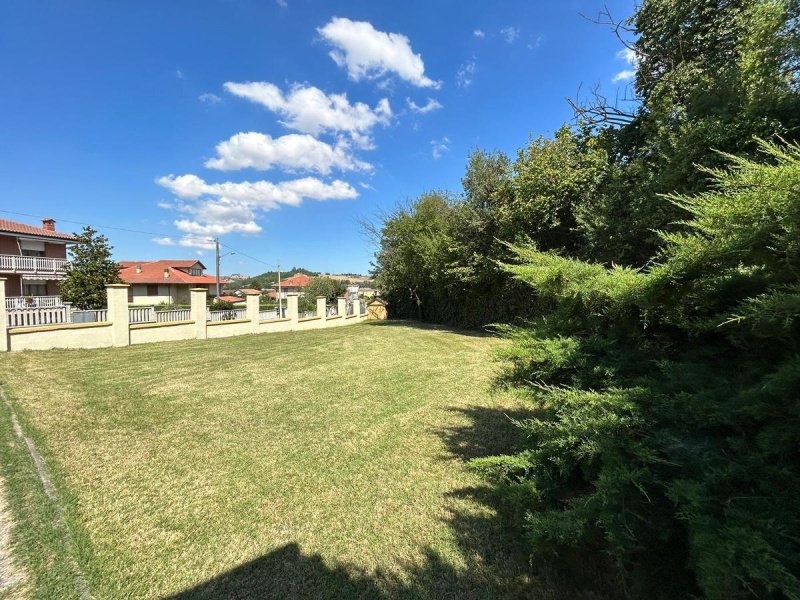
x: 288, y: 573
x: 495, y: 564
x: 432, y: 327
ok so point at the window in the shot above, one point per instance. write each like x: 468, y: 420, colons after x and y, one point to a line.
x: 29, y: 248
x: 152, y: 290
x: 195, y: 271
x: 34, y: 289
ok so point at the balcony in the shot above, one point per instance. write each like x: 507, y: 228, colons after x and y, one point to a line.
x: 46, y: 268
x: 20, y: 302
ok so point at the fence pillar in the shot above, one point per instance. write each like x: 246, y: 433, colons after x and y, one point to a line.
x: 253, y: 310
x: 292, y: 309
x: 357, y: 307
x: 117, y: 299
x: 341, y: 307
x: 197, y: 296
x: 322, y: 308
x: 3, y: 317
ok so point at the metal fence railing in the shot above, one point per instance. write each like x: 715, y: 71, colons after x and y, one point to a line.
x: 33, y: 317
x: 307, y: 314
x: 216, y: 316
x: 332, y: 311
x: 266, y: 315
x: 170, y: 316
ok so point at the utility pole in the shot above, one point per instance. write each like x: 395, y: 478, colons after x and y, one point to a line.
x: 216, y: 246
x: 280, y: 303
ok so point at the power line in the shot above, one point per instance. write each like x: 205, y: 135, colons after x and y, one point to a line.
x: 139, y: 231
x: 22, y: 214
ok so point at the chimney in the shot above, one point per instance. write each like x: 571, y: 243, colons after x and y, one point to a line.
x: 138, y: 268
x: 166, y: 273
x: 49, y: 224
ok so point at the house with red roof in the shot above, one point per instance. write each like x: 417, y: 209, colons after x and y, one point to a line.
x: 165, y: 281
x: 295, y: 284
x: 33, y: 260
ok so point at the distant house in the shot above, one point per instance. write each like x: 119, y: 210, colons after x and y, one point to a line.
x: 32, y: 259
x: 165, y: 281
x: 295, y: 284
x: 244, y: 291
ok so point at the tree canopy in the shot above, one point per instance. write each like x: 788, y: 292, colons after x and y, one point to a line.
x: 89, y: 270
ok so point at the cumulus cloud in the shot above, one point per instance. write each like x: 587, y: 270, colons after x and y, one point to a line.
x: 510, y: 34
x: 310, y: 110
x: 293, y: 152
x: 367, y: 53
x: 430, y: 106
x: 479, y: 33
x: 214, y: 209
x: 439, y: 147
x: 163, y: 241
x: 209, y: 98
x: 629, y: 56
x: 465, y: 74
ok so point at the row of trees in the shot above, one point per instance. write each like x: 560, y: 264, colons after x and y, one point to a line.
x: 650, y: 260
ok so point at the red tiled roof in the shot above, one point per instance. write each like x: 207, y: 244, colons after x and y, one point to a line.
x: 24, y: 229
x: 231, y: 299
x: 299, y: 280
x: 153, y: 272
x: 250, y: 291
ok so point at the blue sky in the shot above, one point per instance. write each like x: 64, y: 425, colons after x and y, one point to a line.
x: 276, y: 125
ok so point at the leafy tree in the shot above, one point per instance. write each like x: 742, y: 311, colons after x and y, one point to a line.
x: 321, y: 286
x: 89, y: 270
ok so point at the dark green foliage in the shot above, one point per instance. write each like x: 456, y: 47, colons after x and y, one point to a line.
x: 670, y: 421
x: 321, y: 286
x: 88, y: 271
x: 221, y: 305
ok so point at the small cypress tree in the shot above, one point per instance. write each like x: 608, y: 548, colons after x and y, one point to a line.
x: 89, y: 270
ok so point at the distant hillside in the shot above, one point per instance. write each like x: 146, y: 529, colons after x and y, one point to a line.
x: 266, y: 279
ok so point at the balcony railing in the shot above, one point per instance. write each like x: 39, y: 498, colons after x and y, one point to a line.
x: 14, y: 302
x: 32, y: 265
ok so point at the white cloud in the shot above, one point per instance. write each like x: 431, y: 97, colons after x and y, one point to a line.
x: 179, y: 74
x: 282, y: 3
x: 629, y: 56
x: 163, y: 241
x: 310, y: 110
x: 293, y: 152
x: 367, y: 53
x: 479, y: 33
x: 439, y: 147
x: 624, y: 75
x: 465, y: 74
x: 510, y: 34
x: 209, y: 98
x: 430, y: 106
x: 190, y: 241
x: 215, y: 209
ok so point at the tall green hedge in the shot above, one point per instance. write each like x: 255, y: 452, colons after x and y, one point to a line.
x: 667, y: 430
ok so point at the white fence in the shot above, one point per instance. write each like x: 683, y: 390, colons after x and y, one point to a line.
x: 30, y: 317
x: 64, y: 327
x: 149, y: 314
x: 14, y: 302
x: 233, y: 314
x: 265, y: 315
x: 33, y: 317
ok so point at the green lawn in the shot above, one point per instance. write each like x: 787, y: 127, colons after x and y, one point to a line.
x: 322, y: 464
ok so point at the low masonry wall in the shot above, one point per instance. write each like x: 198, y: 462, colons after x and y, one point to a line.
x: 118, y: 331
